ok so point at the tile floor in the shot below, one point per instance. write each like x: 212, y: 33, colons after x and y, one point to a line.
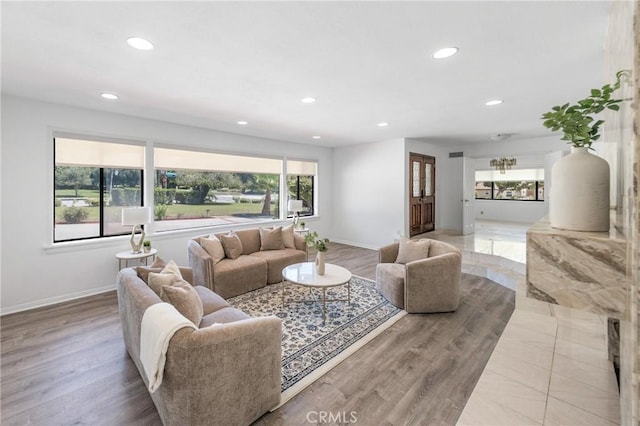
x: 550, y: 366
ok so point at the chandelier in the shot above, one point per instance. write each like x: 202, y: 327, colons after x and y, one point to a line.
x: 503, y: 164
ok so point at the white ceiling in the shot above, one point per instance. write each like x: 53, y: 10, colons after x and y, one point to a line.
x: 215, y: 63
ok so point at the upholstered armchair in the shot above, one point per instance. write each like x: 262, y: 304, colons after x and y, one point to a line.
x: 420, y: 276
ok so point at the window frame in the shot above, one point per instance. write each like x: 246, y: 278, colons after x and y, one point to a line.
x: 101, y: 189
x: 297, y: 196
x: 492, y: 191
x: 147, y: 185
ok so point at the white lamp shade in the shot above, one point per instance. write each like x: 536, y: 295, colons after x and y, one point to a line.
x: 295, y: 205
x: 136, y: 215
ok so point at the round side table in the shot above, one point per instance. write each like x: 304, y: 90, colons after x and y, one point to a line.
x: 125, y: 256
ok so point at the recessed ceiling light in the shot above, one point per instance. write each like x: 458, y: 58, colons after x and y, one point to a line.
x: 243, y: 123
x: 383, y: 124
x: 139, y: 43
x: 316, y: 137
x: 493, y: 102
x: 445, y: 53
x: 308, y: 100
x: 110, y: 96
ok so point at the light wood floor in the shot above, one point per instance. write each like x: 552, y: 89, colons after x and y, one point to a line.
x: 67, y: 364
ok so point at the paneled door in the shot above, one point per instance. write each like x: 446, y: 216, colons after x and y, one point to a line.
x: 422, y: 200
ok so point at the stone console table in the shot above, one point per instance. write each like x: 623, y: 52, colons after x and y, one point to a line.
x: 580, y: 270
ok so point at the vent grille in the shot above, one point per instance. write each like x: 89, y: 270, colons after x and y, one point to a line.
x: 455, y: 154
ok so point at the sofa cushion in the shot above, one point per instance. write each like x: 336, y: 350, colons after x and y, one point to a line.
x: 185, y: 299
x: 211, y: 302
x: 277, y: 260
x: 157, y: 266
x: 250, y: 240
x: 390, y: 282
x: 271, y: 239
x: 232, y: 245
x: 223, y: 316
x: 169, y: 275
x: 409, y: 251
x: 213, y: 247
x: 238, y: 276
x: 287, y: 237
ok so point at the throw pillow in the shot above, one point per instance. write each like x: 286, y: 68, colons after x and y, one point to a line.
x: 232, y: 245
x: 412, y: 250
x: 156, y: 266
x: 213, y: 247
x: 185, y: 299
x: 287, y: 237
x: 168, y: 276
x: 271, y: 239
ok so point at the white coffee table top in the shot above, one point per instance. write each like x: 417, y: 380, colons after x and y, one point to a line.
x: 305, y: 274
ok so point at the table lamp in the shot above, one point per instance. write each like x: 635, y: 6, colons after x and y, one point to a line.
x: 136, y: 217
x: 295, y: 206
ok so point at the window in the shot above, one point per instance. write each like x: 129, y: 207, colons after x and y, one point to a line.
x: 194, y: 189
x: 522, y: 185
x: 301, y: 184
x: 93, y: 180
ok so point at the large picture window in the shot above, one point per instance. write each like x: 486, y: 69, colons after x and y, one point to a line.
x: 93, y: 180
x: 194, y: 189
x: 301, y: 184
x: 521, y: 185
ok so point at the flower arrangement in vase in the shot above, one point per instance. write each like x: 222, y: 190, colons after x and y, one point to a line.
x: 321, y: 246
x: 579, y: 196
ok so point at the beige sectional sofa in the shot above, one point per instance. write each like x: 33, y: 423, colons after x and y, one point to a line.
x: 226, y: 372
x: 253, y: 269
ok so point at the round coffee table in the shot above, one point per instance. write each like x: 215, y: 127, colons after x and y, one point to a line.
x: 304, y: 274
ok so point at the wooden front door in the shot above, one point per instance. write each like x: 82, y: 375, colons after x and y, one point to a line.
x: 422, y: 182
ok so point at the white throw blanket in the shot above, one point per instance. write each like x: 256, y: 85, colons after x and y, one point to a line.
x: 159, y: 323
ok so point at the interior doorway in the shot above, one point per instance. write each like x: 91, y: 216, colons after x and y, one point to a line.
x: 422, y: 199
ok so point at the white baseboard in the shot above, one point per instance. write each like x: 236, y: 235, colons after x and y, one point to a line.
x: 351, y: 243
x: 54, y: 300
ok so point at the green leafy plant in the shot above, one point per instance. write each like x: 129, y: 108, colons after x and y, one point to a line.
x: 75, y: 214
x: 319, y: 244
x: 146, y: 243
x: 577, y: 122
x: 160, y: 211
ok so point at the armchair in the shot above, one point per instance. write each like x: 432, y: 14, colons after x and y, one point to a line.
x: 427, y: 285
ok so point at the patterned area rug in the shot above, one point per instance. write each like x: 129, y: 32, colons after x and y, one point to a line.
x: 309, y: 347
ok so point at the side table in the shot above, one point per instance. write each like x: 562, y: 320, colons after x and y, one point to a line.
x: 125, y: 256
x: 302, y: 231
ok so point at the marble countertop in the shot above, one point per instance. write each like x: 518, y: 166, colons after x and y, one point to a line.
x: 544, y: 226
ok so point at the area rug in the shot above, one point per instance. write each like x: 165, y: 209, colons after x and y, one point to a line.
x: 309, y: 347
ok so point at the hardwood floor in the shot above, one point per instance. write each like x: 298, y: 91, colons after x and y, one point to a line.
x: 66, y: 364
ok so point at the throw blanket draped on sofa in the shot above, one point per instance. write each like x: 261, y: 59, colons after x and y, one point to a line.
x: 159, y: 324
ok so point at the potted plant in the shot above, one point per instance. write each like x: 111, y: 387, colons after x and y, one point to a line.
x: 579, y: 197
x: 302, y: 225
x: 147, y: 246
x: 321, y: 246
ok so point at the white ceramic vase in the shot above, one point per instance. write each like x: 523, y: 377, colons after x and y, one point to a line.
x: 320, y: 263
x: 579, y: 196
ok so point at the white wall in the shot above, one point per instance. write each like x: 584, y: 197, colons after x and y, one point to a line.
x: 36, y: 272
x: 510, y: 211
x: 368, y: 193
